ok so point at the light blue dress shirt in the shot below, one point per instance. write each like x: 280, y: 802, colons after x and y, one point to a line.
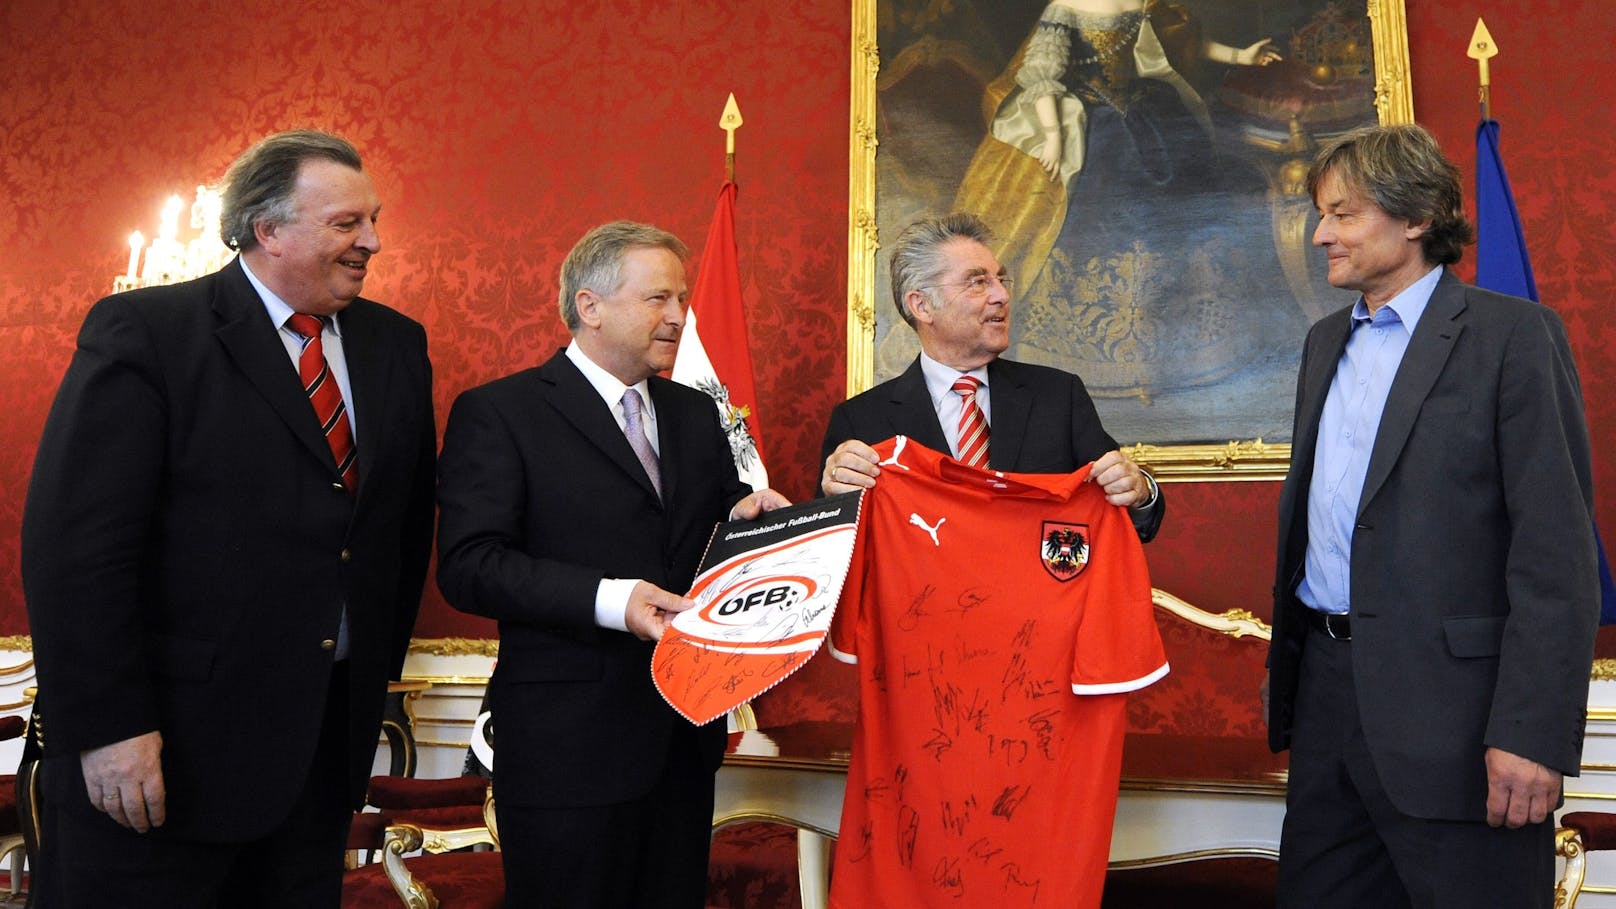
x: 1347, y: 431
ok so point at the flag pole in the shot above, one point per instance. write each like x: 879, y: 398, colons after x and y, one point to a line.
x: 729, y: 122
x: 1482, y: 49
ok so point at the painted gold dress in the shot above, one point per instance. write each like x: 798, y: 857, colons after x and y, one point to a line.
x: 1119, y: 262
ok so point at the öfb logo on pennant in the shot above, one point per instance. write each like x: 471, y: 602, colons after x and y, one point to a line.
x: 764, y: 597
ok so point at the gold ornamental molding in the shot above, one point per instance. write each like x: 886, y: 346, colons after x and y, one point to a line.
x: 1394, y: 95
x: 488, y: 647
x: 1604, y: 671
x: 1252, y: 459
x: 1591, y: 796
x: 769, y: 817
x: 861, y: 231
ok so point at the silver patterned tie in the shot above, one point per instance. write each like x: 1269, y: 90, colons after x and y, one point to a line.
x: 635, y: 430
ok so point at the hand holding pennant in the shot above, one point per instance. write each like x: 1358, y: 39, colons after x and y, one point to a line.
x: 764, y: 597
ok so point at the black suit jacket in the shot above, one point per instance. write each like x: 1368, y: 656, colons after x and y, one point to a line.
x: 186, y: 549
x: 1043, y: 422
x: 1475, y: 594
x: 540, y: 498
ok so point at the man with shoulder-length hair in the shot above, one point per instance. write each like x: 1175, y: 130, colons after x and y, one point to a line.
x: 576, y: 499
x: 1436, y: 595
x: 223, y: 550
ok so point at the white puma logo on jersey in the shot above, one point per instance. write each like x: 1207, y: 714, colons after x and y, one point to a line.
x: 931, y: 530
x: 897, y: 451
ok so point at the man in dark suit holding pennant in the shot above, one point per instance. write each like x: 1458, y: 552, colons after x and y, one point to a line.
x: 576, y: 499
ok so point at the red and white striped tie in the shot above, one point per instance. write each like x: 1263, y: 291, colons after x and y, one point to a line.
x: 321, y: 387
x: 973, y: 427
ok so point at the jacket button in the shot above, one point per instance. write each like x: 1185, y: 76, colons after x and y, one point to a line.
x: 345, y: 556
x: 328, y: 644
x: 338, y: 487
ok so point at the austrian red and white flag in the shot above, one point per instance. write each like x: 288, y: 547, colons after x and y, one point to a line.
x: 714, y: 355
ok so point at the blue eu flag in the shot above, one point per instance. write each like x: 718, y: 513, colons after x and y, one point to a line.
x: 1503, y: 265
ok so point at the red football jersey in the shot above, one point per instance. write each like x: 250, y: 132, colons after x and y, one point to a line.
x: 997, y: 620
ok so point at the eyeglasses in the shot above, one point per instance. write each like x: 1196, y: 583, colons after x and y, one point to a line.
x: 977, y: 286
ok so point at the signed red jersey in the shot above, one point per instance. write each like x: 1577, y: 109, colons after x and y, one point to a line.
x: 997, y: 619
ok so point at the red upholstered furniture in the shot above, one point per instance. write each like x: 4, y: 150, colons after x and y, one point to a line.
x: 444, y: 820
x: 444, y: 874
x: 454, y: 803
x: 754, y: 866
x: 439, y: 804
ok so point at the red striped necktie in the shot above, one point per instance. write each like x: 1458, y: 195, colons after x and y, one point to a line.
x: 973, y: 427
x: 321, y: 387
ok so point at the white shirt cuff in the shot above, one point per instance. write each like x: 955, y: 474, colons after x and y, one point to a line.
x: 611, y: 602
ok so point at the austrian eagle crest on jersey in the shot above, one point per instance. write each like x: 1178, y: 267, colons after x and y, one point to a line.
x: 1064, y: 549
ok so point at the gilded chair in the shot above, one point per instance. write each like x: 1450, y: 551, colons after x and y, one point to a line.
x: 1580, y: 832
x: 449, y: 822
x: 452, y: 803
x: 427, y: 867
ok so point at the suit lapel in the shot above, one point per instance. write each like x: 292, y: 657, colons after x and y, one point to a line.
x: 911, y: 413
x: 1012, y: 409
x: 1315, y: 383
x: 1427, y: 354
x: 246, y: 333
x: 670, y: 438
x: 369, y: 369
x: 579, y: 404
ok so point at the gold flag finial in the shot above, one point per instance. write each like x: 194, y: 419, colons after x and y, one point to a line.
x: 1482, y: 49
x: 729, y: 122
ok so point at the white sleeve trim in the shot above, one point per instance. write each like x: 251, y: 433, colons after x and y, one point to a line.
x: 849, y: 658
x: 1120, y: 687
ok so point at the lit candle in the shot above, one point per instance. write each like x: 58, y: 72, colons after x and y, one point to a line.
x: 136, y: 241
x: 170, y: 229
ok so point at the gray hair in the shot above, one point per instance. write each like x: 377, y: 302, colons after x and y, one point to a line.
x: 1403, y: 171
x: 917, y: 261
x: 596, y: 261
x: 258, y: 186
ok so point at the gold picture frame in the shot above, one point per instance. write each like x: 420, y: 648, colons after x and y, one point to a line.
x: 1237, y: 459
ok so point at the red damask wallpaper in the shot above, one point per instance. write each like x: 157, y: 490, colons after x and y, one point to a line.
x: 500, y: 130
x: 497, y: 132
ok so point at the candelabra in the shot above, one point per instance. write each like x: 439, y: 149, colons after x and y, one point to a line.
x: 167, y: 260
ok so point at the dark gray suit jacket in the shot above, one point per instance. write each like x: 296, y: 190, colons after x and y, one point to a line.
x: 1475, y: 596
x: 540, y: 496
x: 1043, y: 422
x: 187, y: 551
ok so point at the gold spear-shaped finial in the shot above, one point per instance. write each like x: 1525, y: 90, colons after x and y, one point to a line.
x: 729, y: 122
x: 1483, y: 49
